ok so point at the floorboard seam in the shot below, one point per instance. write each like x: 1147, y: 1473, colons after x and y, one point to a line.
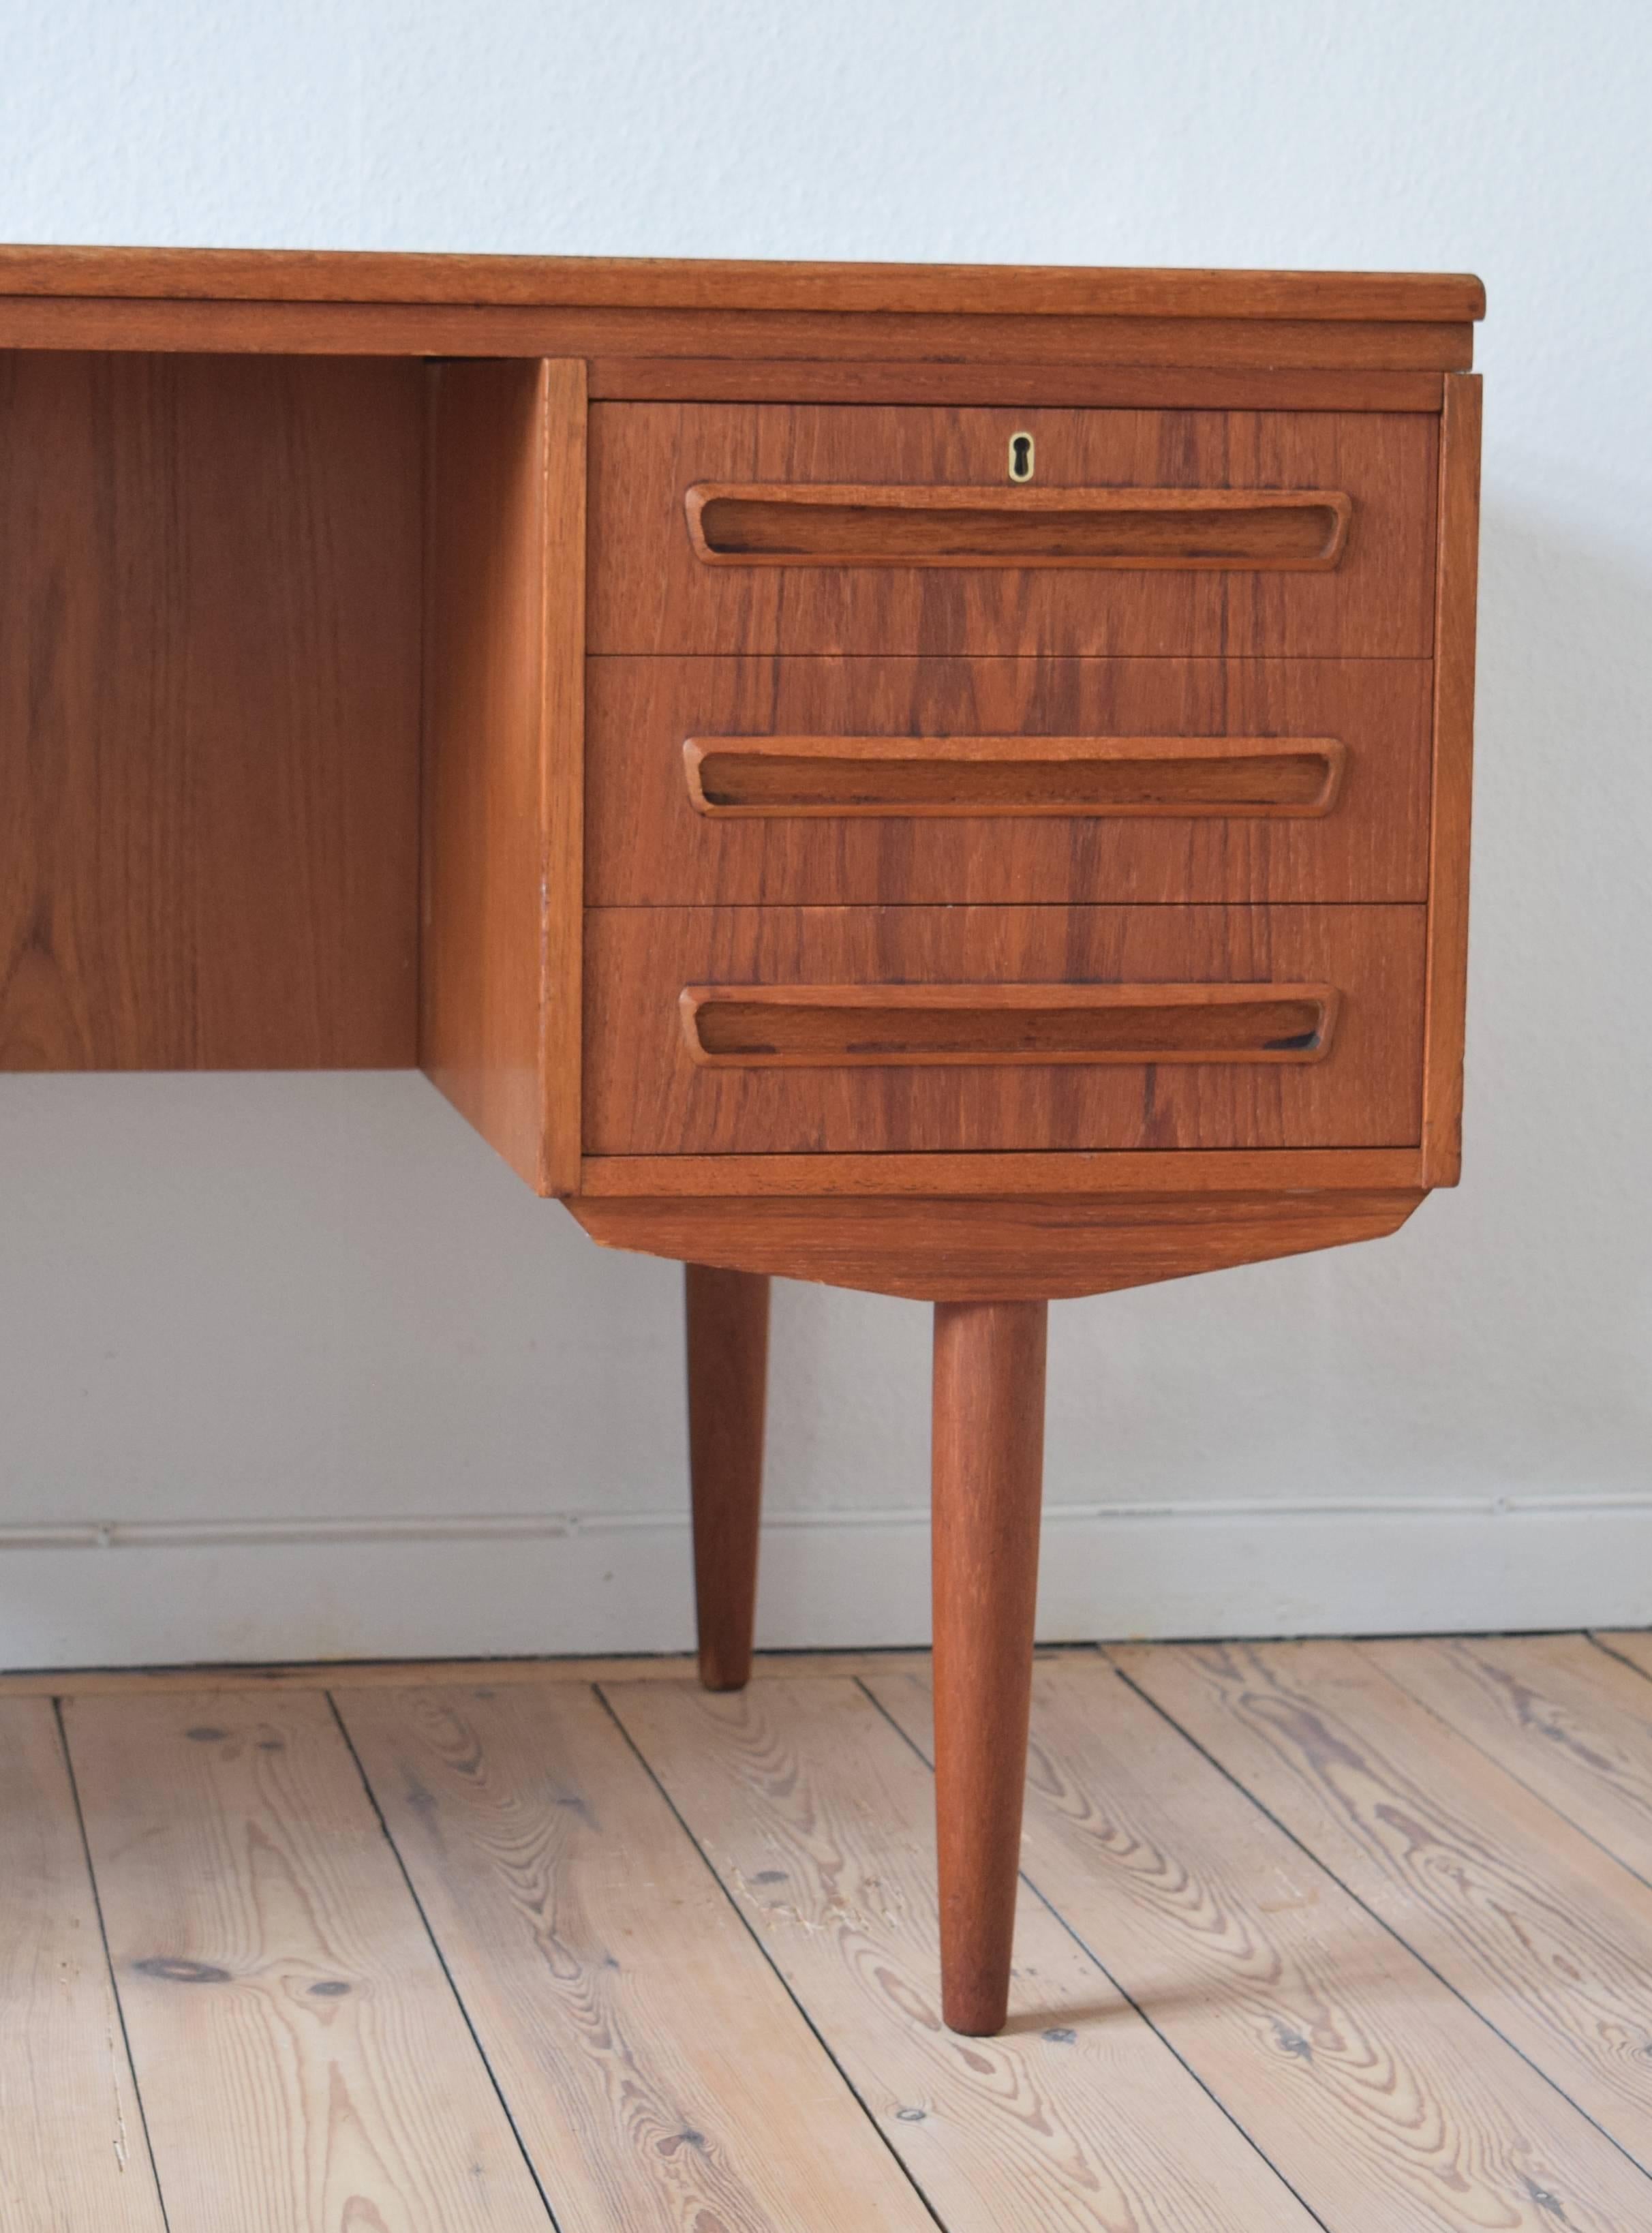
x: 1089, y: 1952
x: 1610, y: 1652
x: 901, y: 2164
x: 436, y: 1947
x: 1513, y: 1775
x: 1419, y: 1957
x: 108, y: 1961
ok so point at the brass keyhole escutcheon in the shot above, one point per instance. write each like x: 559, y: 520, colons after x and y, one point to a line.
x: 1020, y: 457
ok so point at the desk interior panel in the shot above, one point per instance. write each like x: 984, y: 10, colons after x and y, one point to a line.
x: 209, y: 591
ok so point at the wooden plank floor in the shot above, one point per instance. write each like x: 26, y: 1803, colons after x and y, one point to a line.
x: 1348, y: 1936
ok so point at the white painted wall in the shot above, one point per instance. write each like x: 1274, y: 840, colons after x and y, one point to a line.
x: 292, y: 1365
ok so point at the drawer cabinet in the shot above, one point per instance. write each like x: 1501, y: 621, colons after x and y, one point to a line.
x: 921, y: 745
x: 764, y: 528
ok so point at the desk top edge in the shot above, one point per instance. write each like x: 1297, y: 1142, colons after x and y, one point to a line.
x: 221, y: 275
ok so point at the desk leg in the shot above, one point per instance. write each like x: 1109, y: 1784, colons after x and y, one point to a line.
x: 728, y: 1370
x: 988, y: 1479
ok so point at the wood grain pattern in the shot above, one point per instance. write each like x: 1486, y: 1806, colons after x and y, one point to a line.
x: 304, y: 2062
x: 209, y: 713
x: 726, y: 1319
x: 1457, y: 577
x: 1569, y: 1720
x: 817, y: 1817
x: 939, y: 1249
x: 647, y: 845
x: 660, y: 2077
x: 357, y: 275
x: 645, y: 1095
x: 504, y: 760
x: 1542, y: 1933
x: 73, y: 2154
x: 987, y: 1471
x: 353, y: 329
x: 1373, y: 2091
x: 1161, y: 387
x: 650, y: 594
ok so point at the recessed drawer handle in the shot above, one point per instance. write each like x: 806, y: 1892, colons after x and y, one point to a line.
x: 1235, y: 776
x: 792, y: 523
x: 815, y: 1026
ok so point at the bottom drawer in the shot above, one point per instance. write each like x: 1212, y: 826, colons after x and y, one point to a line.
x: 753, y: 1031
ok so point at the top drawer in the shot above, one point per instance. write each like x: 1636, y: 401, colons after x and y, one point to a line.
x: 734, y: 527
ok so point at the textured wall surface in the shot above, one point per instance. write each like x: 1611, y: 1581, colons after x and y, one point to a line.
x: 292, y: 1365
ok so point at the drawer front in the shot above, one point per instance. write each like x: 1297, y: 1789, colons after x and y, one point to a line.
x: 808, y: 528
x: 910, y: 1029
x: 856, y: 781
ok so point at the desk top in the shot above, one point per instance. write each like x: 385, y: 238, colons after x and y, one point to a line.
x: 633, y: 309
x: 662, y: 282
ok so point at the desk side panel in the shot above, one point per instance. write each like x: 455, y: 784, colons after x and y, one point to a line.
x: 209, y: 713
x: 503, y: 837
x: 1457, y: 585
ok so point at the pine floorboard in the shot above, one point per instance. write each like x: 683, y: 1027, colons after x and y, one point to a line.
x: 302, y: 2063
x: 1367, y: 2082
x: 815, y: 1813
x: 71, y: 2146
x: 1569, y: 1719
x: 1354, y: 1936
x: 1542, y: 1933
x: 660, y: 2075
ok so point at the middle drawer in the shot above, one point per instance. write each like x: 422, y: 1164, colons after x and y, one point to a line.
x: 824, y: 781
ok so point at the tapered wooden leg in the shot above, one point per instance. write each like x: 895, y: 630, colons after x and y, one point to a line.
x: 988, y: 1467
x: 728, y: 1371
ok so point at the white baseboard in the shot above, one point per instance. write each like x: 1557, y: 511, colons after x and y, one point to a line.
x: 81, y: 1594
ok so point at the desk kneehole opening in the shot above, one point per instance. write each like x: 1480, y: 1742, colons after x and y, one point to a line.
x: 833, y: 1027
x: 1014, y: 775
x: 797, y: 523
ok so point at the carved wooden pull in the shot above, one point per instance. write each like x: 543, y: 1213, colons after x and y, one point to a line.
x: 797, y: 524
x: 1232, y: 776
x: 802, y: 1026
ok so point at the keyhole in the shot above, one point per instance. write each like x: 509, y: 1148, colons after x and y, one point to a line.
x: 1020, y: 457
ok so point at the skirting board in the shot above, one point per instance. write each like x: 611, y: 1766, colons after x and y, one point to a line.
x: 142, y: 1595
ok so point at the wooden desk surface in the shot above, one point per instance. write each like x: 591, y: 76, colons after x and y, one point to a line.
x: 294, y: 703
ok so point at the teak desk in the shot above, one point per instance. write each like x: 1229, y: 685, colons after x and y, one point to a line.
x: 953, y: 782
